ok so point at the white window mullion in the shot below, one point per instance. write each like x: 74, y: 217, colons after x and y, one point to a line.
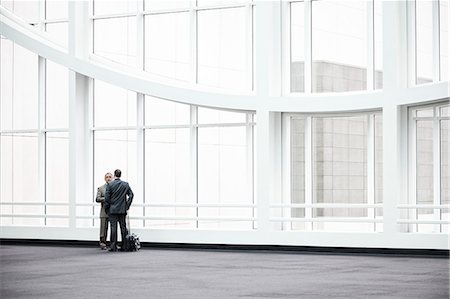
x: 194, y: 158
x: 308, y: 172
x: 412, y: 213
x: 308, y: 47
x: 371, y: 166
x: 249, y: 46
x: 140, y: 147
x: 287, y: 170
x: 249, y: 159
x: 370, y: 71
x: 436, y: 169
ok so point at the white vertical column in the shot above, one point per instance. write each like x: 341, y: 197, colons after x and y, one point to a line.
x: 140, y: 107
x: 194, y: 158
x: 79, y: 131
x: 395, y: 63
x: 41, y: 133
x: 436, y: 169
x: 193, y: 43
x: 391, y: 167
x: 371, y: 166
x: 411, y: 42
x: 249, y: 158
x: 286, y: 171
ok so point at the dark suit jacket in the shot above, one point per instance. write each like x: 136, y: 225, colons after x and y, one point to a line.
x: 118, y: 197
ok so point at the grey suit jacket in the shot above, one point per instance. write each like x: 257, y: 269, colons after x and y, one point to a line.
x: 118, y: 197
x: 101, y: 198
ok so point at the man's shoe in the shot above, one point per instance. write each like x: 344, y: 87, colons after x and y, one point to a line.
x: 113, y: 250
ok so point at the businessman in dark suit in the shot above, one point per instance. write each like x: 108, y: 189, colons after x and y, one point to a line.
x: 118, y: 199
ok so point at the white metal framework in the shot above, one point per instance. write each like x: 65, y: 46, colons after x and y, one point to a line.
x: 270, y: 152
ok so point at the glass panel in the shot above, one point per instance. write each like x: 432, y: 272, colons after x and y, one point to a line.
x: 168, y: 176
x: 297, y: 47
x: 56, y: 9
x: 219, y: 2
x: 27, y: 10
x: 340, y: 164
x: 6, y: 83
x: 113, y: 106
x: 167, y: 45
x: 59, y: 31
x: 379, y: 160
x: 115, y: 39
x: 445, y: 162
x: 57, y: 167
x: 427, y: 112
x: 424, y: 43
x: 339, y: 46
x: 25, y: 82
x: 297, y: 169
x: 163, y: 112
x: 102, y: 7
x: 445, y: 111
x: 378, y: 43
x: 223, y: 176
x: 222, y: 49
x: 19, y: 183
x: 164, y: 4
x: 424, y: 167
x: 214, y: 116
x: 57, y: 96
x: 444, y: 39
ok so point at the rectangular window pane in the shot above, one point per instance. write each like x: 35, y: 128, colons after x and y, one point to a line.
x: 168, y: 177
x: 424, y: 168
x: 113, y: 106
x: 444, y: 39
x: 6, y: 83
x: 115, y: 39
x: 19, y: 183
x: 102, y: 7
x: 57, y: 96
x: 219, y: 2
x: 222, y: 50
x: 167, y: 45
x: 297, y: 47
x: 339, y: 46
x: 56, y: 9
x: 214, y: 116
x: 27, y: 10
x: 223, y: 176
x: 57, y: 176
x: 297, y: 169
x: 163, y: 112
x: 424, y: 42
x: 59, y: 31
x: 340, y: 165
x: 164, y: 4
x: 19, y: 102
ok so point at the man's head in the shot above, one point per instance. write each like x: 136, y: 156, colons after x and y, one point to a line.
x: 117, y: 173
x: 108, y: 177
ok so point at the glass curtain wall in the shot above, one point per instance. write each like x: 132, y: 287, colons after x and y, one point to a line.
x: 202, y: 42
x: 341, y: 157
x: 345, y: 39
x: 34, y: 125
x: 427, y: 211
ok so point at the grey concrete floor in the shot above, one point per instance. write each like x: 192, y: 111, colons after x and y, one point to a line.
x: 88, y: 272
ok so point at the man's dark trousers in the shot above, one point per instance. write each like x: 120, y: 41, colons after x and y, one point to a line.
x: 113, y: 219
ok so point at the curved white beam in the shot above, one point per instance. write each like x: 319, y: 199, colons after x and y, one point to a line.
x: 38, y: 42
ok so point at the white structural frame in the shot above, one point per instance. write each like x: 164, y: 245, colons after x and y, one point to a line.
x: 267, y: 100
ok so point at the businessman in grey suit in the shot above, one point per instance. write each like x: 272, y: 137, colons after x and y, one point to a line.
x: 103, y: 216
x: 118, y: 199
